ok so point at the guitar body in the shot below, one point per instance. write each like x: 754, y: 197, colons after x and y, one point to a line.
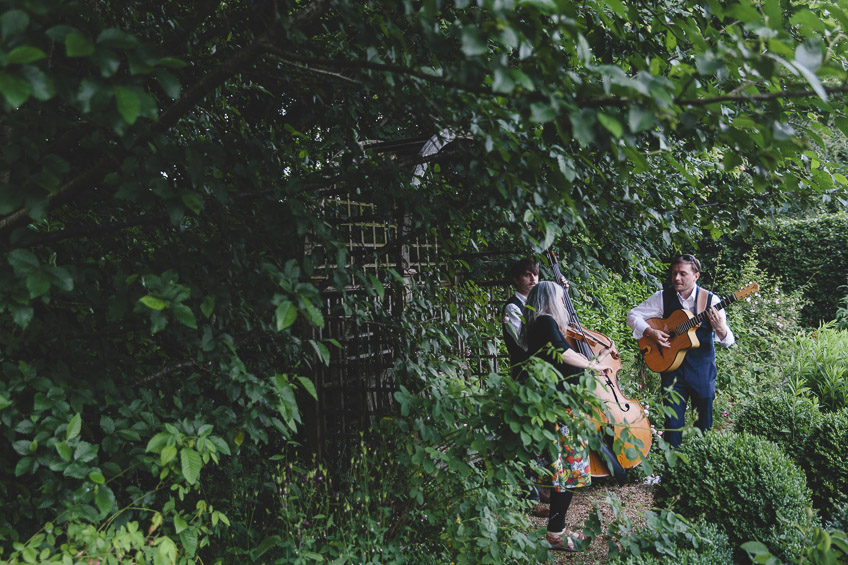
x: 662, y: 359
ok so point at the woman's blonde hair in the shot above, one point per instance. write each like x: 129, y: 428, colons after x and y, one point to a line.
x: 545, y: 299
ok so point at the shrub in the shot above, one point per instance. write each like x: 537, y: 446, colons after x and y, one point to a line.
x: 827, y: 455
x: 823, y: 257
x: 744, y: 484
x: 819, y: 361
x: 779, y: 417
x: 669, y: 536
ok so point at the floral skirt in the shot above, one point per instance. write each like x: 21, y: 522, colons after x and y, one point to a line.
x: 571, y: 467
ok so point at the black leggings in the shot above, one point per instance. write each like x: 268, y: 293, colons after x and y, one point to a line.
x: 560, y: 501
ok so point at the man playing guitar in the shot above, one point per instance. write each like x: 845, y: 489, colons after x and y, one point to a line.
x: 695, y: 376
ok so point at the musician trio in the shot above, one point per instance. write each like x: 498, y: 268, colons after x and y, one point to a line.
x: 540, y: 315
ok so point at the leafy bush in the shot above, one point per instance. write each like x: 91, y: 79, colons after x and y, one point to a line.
x: 823, y: 240
x: 744, y: 484
x: 819, y: 361
x: 779, y: 417
x: 666, y: 535
x: 827, y: 461
x: 842, y: 310
x: 822, y: 546
x: 316, y: 518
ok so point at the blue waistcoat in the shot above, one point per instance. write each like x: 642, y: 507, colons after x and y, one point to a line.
x: 698, y: 369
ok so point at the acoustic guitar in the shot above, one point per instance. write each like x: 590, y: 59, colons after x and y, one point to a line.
x: 680, y: 326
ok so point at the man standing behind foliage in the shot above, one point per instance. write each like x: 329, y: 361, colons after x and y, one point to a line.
x: 695, y: 378
x: 524, y: 275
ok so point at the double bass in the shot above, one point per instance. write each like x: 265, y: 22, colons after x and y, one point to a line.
x: 627, y: 418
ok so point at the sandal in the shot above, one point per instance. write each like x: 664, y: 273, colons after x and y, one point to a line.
x: 561, y: 541
x: 576, y: 535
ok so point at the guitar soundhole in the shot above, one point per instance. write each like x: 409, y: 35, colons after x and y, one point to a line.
x: 672, y: 335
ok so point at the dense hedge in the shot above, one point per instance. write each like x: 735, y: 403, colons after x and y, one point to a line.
x: 779, y: 417
x: 827, y: 455
x: 810, y: 253
x: 742, y: 483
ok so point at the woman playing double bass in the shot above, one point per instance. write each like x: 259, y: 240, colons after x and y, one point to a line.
x: 546, y: 323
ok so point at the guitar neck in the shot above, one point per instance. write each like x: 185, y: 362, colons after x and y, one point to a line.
x: 698, y: 318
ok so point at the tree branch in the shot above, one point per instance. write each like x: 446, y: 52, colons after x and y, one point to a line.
x: 189, y: 99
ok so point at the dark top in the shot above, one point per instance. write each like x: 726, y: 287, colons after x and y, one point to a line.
x: 698, y: 369
x: 544, y: 331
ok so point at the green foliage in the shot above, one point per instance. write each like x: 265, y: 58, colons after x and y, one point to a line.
x: 823, y: 546
x: 808, y: 255
x: 842, y: 311
x: 744, y: 484
x: 827, y: 461
x: 782, y: 418
x: 817, y: 361
x: 319, y: 518
x: 178, y: 275
x: 665, y: 535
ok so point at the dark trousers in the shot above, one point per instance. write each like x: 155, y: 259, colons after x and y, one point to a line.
x: 674, y: 424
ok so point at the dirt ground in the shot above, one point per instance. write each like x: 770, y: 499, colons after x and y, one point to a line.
x: 635, y: 500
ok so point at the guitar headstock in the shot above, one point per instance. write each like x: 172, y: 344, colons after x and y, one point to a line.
x: 747, y: 291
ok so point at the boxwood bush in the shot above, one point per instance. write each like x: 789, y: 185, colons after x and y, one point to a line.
x: 742, y: 483
x: 780, y: 417
x: 668, y: 536
x: 827, y: 454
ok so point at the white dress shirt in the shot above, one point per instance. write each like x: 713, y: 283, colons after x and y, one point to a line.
x: 512, y: 314
x: 653, y: 308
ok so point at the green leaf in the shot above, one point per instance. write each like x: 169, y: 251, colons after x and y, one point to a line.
x: 185, y: 316
x: 23, y: 261
x: 60, y: 277
x: 153, y: 302
x: 265, y: 545
x: 179, y: 523
x: 639, y: 119
x: 24, y: 466
x: 191, y: 465
x: 169, y: 452
x: 22, y: 314
x: 189, y: 541
x: 12, y: 22
x: 193, y: 202
x: 64, y: 450
x: 25, y: 54
x: 116, y: 38
x: 15, y: 89
x: 286, y: 314
x: 220, y: 444
x: 208, y: 306
x: 308, y: 385
x: 169, y: 83
x: 97, y: 477
x: 77, y: 45
x: 473, y: 43
x: 322, y: 351
x: 583, y: 126
x: 158, y: 442
x: 129, y: 104
x: 611, y: 124
x: 541, y: 112
x: 4, y: 402
x: 809, y: 54
x: 104, y: 499
x: 42, y: 85
x: 74, y: 427
x: 377, y: 285
x: 503, y: 82
x: 37, y: 283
